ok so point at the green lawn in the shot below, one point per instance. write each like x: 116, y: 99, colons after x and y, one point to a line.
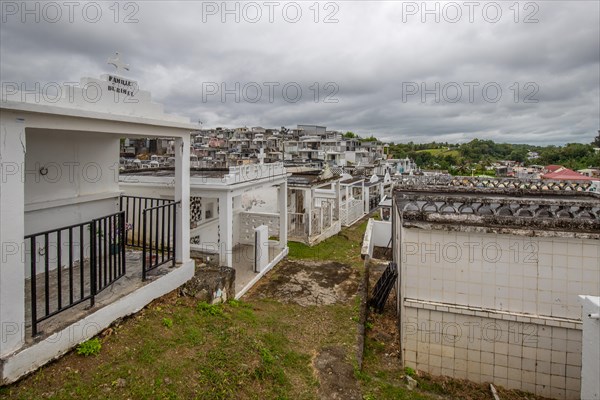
x: 258, y: 350
x: 343, y: 247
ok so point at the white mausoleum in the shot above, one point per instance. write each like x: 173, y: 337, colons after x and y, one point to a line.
x: 238, y: 215
x: 490, y: 279
x: 67, y: 270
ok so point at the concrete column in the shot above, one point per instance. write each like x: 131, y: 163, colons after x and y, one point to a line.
x: 365, y: 193
x: 308, y: 204
x: 182, y: 193
x: 346, y: 205
x: 283, y: 215
x: 338, y: 197
x: 12, y: 230
x: 321, y: 218
x: 590, y: 355
x: 261, y: 248
x: 226, y: 229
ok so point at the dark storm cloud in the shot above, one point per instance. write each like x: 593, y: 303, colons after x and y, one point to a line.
x: 518, y: 82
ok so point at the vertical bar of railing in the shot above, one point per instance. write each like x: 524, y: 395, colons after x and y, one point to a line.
x: 59, y: 268
x: 162, y: 230
x: 111, y: 250
x: 116, y: 242
x: 169, y: 236
x: 33, y: 288
x: 149, y: 214
x: 103, y: 240
x: 92, y: 262
x: 115, y: 246
x: 156, y: 243
x: 133, y: 228
x: 174, y: 205
x: 97, y: 246
x: 47, y: 274
x: 82, y: 262
x: 122, y: 247
x: 71, y: 265
x: 144, y: 255
x: 132, y: 213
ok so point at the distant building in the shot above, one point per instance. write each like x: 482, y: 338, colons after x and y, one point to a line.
x: 566, y: 174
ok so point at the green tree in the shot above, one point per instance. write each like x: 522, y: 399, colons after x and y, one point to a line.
x: 596, y: 142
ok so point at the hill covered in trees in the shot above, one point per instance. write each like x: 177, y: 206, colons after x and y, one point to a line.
x: 478, y: 155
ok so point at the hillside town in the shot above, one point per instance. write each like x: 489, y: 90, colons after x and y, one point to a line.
x: 313, y: 146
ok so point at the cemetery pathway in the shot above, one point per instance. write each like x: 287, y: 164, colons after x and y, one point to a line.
x: 317, y: 284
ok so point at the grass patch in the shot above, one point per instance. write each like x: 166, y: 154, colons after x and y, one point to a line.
x: 89, y: 347
x: 215, y: 310
x: 261, y: 350
x: 344, y: 247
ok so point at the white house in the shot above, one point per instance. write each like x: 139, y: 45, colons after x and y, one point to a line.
x: 62, y: 230
x: 229, y: 207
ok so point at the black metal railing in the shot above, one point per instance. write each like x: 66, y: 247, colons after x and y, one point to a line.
x: 383, y: 287
x: 108, y: 253
x: 61, y: 255
x: 134, y: 207
x: 159, y: 233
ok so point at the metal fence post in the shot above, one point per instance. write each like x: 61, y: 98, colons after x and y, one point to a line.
x: 92, y: 262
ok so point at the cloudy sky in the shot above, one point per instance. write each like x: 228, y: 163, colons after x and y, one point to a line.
x: 447, y: 71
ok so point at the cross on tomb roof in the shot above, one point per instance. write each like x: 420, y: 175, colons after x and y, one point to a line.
x: 261, y: 156
x: 118, y: 63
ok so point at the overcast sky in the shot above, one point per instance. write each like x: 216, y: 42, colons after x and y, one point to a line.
x: 528, y: 73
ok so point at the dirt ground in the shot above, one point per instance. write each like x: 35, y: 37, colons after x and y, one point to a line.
x: 312, y: 283
x: 308, y: 283
x: 336, y: 375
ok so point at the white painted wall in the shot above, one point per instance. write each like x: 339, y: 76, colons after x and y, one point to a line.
x: 539, y: 276
x: 378, y: 233
x: 12, y: 313
x: 382, y: 233
x: 81, y: 184
x: 207, y: 234
x: 248, y: 222
x: 264, y: 200
x: 78, y: 163
x: 465, y: 344
x: 496, y: 308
